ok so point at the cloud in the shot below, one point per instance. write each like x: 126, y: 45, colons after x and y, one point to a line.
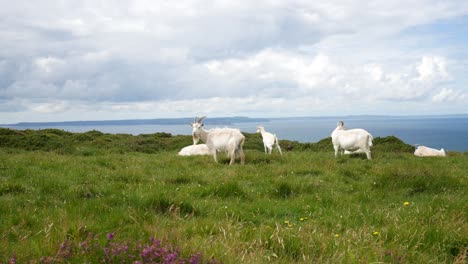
x: 49, y: 64
x: 449, y: 95
x: 432, y: 67
x: 126, y: 55
x: 280, y: 73
x: 276, y: 73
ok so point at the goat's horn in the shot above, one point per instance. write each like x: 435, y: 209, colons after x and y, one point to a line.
x: 201, y: 118
x: 340, y: 123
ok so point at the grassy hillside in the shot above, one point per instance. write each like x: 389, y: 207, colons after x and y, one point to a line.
x: 61, y: 192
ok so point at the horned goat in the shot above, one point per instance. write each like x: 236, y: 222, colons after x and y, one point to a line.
x: 228, y: 140
x: 351, y: 140
x: 269, y: 140
x: 200, y: 149
x: 423, y: 151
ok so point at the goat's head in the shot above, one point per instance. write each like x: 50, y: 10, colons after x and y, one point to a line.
x: 197, y: 126
x: 260, y: 129
x: 340, y: 125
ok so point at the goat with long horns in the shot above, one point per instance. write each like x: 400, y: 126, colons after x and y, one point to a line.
x: 228, y: 140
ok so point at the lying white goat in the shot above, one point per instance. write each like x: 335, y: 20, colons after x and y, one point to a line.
x: 269, y: 140
x: 423, y: 151
x: 220, y: 139
x: 349, y: 152
x: 200, y: 149
x: 351, y: 140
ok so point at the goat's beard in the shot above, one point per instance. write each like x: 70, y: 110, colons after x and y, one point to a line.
x: 195, y: 139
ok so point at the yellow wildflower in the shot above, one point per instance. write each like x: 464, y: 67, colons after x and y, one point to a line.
x: 375, y: 233
x: 406, y: 203
x: 337, y: 235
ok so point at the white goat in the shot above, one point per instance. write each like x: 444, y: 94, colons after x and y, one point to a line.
x: 229, y: 140
x: 269, y: 140
x: 423, y: 151
x: 200, y: 149
x: 351, y: 140
x: 349, y: 152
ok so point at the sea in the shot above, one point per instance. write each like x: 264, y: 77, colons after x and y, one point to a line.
x: 448, y: 132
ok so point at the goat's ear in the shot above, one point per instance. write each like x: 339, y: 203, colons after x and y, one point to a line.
x: 202, y: 124
x: 190, y: 124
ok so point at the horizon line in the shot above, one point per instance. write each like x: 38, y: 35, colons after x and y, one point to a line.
x: 233, y: 117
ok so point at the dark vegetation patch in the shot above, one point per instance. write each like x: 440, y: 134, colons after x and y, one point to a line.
x: 351, y: 174
x: 86, y: 191
x: 10, y: 188
x: 311, y: 172
x: 283, y: 190
x: 391, y: 144
x: 95, y: 142
x: 163, y: 206
x: 322, y: 145
x: 226, y: 190
x: 179, y: 180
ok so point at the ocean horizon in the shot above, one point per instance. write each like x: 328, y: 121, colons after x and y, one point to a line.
x: 448, y: 132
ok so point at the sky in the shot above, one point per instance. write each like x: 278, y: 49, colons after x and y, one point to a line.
x: 112, y: 60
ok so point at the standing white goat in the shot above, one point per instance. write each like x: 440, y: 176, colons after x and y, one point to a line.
x: 423, y: 151
x: 200, y: 149
x: 229, y: 140
x: 269, y: 140
x: 351, y: 140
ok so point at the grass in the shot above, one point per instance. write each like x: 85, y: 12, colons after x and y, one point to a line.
x: 302, y: 207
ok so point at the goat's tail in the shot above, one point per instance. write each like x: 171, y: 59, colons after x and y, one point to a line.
x: 278, y: 145
x: 240, y: 148
x: 369, y: 140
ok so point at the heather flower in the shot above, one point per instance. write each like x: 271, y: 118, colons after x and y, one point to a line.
x: 110, y: 236
x: 13, y: 259
x: 195, y: 259
x: 118, y: 252
x: 65, y: 250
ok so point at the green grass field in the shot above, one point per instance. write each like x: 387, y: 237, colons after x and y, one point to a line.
x: 302, y: 207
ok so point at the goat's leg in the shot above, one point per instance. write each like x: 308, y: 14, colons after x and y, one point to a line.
x: 242, y: 156
x: 279, y: 148
x: 215, y: 156
x: 336, y: 151
x: 232, y: 154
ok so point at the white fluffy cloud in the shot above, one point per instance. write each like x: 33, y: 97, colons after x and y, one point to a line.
x: 432, y: 68
x: 449, y: 95
x: 269, y: 57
